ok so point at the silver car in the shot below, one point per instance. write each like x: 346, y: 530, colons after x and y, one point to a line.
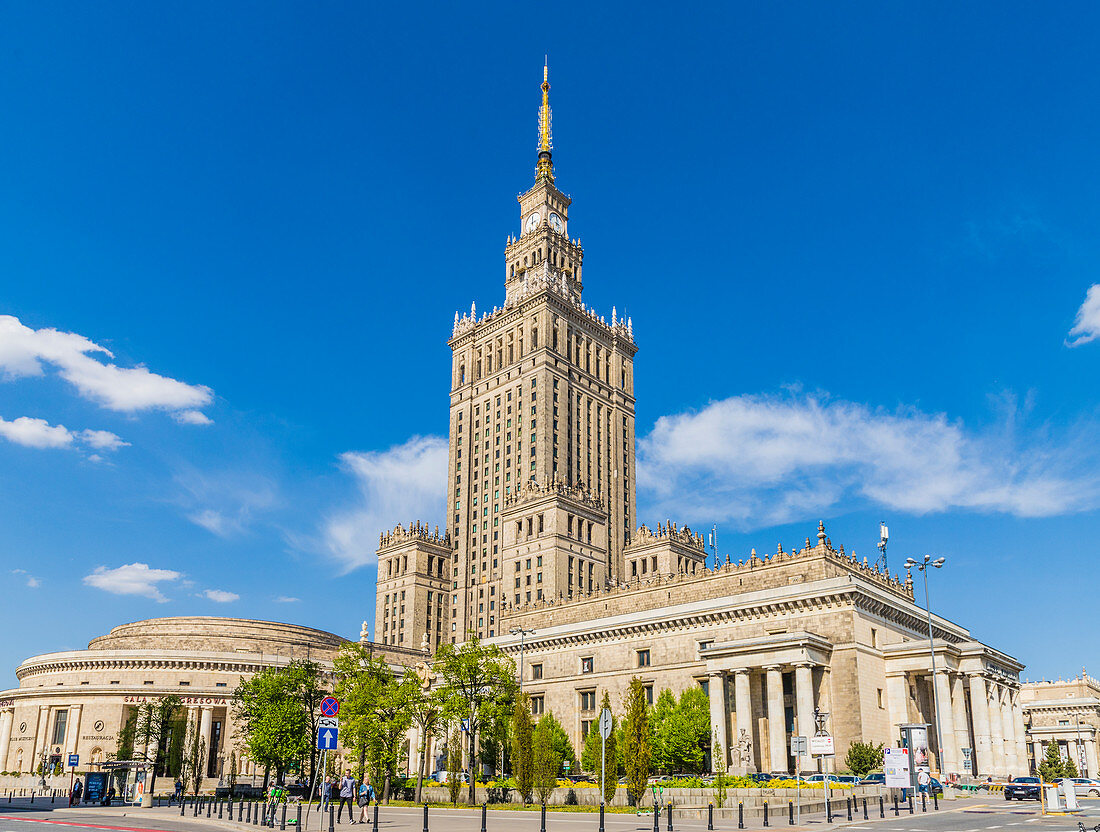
x: 1086, y: 787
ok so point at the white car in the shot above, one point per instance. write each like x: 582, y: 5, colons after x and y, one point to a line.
x: 1086, y: 787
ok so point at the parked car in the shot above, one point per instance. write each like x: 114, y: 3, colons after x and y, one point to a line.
x: 442, y: 776
x: 850, y: 779
x: 821, y: 778
x: 1086, y: 787
x: 875, y: 778
x: 1022, y: 788
x: 760, y: 777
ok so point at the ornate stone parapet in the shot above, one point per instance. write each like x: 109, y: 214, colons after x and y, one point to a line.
x: 416, y: 531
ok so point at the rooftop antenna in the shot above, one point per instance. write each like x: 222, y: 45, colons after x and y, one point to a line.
x: 714, y: 543
x: 884, y: 537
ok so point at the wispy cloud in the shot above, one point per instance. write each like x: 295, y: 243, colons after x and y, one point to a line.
x: 221, y: 596
x: 132, y: 579
x: 27, y: 352
x: 406, y: 482
x: 225, y: 503
x: 29, y: 580
x: 761, y: 460
x: 286, y: 599
x: 32, y: 432
x: 1086, y: 326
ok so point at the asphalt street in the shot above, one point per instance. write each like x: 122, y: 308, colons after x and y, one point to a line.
x: 965, y: 815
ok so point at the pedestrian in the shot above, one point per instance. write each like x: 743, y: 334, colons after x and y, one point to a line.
x: 110, y: 794
x: 923, y: 779
x: 347, y: 796
x: 177, y: 793
x: 326, y: 793
x: 366, y: 795
x: 78, y: 790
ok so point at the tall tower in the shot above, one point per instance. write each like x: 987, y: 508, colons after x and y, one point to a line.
x: 541, y: 480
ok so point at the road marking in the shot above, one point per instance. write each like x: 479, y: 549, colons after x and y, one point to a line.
x: 85, y: 825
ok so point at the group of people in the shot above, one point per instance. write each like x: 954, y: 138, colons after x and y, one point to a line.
x: 349, y: 792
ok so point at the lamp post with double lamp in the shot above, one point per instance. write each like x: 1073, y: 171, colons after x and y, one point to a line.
x: 924, y: 565
x: 519, y: 631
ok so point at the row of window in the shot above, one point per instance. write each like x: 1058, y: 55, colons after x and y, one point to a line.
x: 588, y: 664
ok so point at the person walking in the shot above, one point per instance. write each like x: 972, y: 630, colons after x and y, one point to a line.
x: 923, y: 779
x: 366, y: 796
x: 347, y: 796
x: 177, y: 794
x: 78, y: 790
x: 326, y: 793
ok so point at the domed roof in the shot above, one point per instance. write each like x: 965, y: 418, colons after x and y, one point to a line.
x: 221, y: 635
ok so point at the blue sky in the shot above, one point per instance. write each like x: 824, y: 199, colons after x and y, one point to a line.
x: 856, y: 242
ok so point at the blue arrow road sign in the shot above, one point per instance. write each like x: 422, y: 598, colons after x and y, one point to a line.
x: 326, y: 738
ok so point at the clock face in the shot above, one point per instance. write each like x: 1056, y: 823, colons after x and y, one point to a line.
x: 533, y: 221
x: 556, y: 223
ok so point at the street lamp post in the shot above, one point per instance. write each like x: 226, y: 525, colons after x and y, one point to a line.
x: 923, y: 566
x: 519, y: 631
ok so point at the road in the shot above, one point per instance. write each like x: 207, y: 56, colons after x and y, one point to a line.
x: 964, y: 815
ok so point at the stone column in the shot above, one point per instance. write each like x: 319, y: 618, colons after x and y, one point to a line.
x: 1008, y: 725
x: 945, y: 717
x: 1090, y: 757
x: 897, y: 700
x: 777, y: 730
x: 72, y: 730
x: 958, y: 717
x: 743, y: 704
x: 1022, y: 761
x: 996, y: 732
x: 206, y: 731
x: 979, y: 704
x: 7, y: 717
x: 804, y: 708
x: 1071, y: 753
x: 40, y: 738
x: 716, y: 692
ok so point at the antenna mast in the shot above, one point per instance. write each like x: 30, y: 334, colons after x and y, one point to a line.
x: 884, y: 537
x: 714, y: 543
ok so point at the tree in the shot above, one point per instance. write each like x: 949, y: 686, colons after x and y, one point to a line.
x: 392, y: 719
x: 522, y: 750
x: 547, y: 763
x: 685, y: 744
x: 1069, y: 767
x: 232, y: 770
x: 863, y: 757
x: 426, y: 711
x: 152, y: 725
x: 194, y: 759
x: 480, y: 684
x: 593, y: 748
x: 454, y: 766
x: 661, y: 728
x: 563, y: 747
x: 274, y: 717
x: 718, y: 755
x: 636, y: 748
x: 1052, y: 767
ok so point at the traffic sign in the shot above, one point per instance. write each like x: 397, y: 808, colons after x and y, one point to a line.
x: 74, y: 760
x: 605, y: 723
x: 822, y: 746
x: 798, y: 746
x: 327, y: 722
x: 326, y: 738
x: 329, y: 706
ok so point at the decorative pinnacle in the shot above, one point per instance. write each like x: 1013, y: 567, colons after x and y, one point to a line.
x: 545, y: 168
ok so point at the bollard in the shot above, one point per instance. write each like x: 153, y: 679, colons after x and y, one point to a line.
x: 331, y: 818
x: 240, y: 810
x: 740, y: 815
x: 895, y: 805
x: 910, y: 804
x: 881, y: 807
x: 935, y: 802
x: 298, y: 822
x: 221, y: 808
x: 765, y: 813
x: 923, y: 802
x: 183, y: 806
x: 601, y: 818
x: 542, y: 828
x: 790, y: 813
x: 376, y: 816
x: 425, y: 818
x: 53, y: 794
x: 282, y: 817
x: 710, y: 817
x: 656, y: 819
x: 848, y: 801
x: 865, y: 808
x: 828, y: 811
x: 209, y: 806
x: 669, y: 805
x: 484, y: 812
x: 229, y: 805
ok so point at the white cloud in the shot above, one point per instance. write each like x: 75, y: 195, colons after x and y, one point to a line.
x: 31, y: 581
x: 286, y: 599
x: 1086, y: 326
x: 24, y: 351
x: 35, y: 433
x: 406, y: 482
x: 224, y: 502
x: 762, y: 460
x: 131, y: 579
x: 38, y: 433
x: 192, y: 417
x: 221, y: 596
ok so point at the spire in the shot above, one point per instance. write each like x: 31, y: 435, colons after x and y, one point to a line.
x: 544, y: 172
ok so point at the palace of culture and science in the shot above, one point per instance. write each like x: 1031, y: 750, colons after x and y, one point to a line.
x: 542, y: 551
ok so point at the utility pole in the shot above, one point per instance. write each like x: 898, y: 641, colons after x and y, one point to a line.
x: 519, y: 631
x: 924, y: 566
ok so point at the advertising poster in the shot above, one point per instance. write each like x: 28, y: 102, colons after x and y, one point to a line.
x: 895, y: 763
x: 95, y: 787
x: 918, y: 746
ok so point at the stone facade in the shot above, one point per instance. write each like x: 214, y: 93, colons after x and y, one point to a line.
x: 78, y: 701
x: 543, y: 540
x: 1066, y: 713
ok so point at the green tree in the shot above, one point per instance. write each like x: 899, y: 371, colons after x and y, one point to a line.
x: 636, y: 748
x: 590, y: 755
x: 152, y: 728
x: 547, y: 763
x: 718, y: 756
x: 686, y: 743
x: 1069, y: 767
x: 563, y: 747
x: 662, y: 729
x: 1052, y: 767
x: 392, y: 719
x: 274, y: 717
x: 522, y: 751
x: 426, y: 712
x: 361, y: 679
x: 863, y: 757
x: 454, y: 765
x: 479, y: 684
